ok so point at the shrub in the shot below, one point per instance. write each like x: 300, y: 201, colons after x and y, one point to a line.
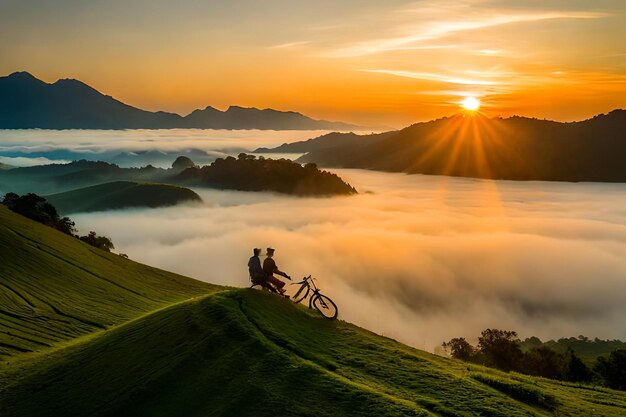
x: 38, y: 209
x: 100, y: 242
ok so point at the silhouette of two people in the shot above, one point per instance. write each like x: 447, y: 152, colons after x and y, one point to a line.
x: 264, y: 275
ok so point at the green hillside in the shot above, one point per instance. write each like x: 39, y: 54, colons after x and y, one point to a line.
x: 213, y: 351
x: 54, y: 288
x: 121, y: 194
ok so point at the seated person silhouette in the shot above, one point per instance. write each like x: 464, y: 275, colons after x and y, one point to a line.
x: 257, y: 275
x: 270, y: 268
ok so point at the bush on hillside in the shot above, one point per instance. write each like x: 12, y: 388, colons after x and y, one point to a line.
x: 38, y: 209
x: 100, y: 242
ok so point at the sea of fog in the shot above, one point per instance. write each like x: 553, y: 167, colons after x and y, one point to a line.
x: 418, y: 258
x: 129, y: 148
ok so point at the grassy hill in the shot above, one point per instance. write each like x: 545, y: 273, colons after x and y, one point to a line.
x: 121, y: 194
x: 54, y: 288
x: 214, y: 351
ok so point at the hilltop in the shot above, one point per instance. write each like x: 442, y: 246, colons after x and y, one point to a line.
x: 119, y: 195
x: 247, y: 173
x: 116, y: 338
x: 326, y: 142
x: 27, y: 102
x: 516, y: 148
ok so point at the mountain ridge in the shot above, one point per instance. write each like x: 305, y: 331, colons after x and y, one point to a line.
x: 28, y: 102
x: 514, y: 148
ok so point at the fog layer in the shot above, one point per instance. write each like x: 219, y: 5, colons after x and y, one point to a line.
x: 130, y: 148
x: 418, y: 258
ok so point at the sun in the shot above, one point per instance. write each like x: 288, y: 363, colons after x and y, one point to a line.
x: 470, y: 103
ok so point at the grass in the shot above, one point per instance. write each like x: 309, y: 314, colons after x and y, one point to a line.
x: 216, y: 351
x: 55, y: 288
x: 120, y: 194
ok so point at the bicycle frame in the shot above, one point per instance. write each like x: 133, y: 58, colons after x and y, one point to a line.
x: 307, y: 283
x: 316, y: 300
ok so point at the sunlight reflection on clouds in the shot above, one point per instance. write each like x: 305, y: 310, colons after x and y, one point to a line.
x: 417, y: 258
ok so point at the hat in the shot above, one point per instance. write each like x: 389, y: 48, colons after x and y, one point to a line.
x: 257, y: 250
x: 270, y: 250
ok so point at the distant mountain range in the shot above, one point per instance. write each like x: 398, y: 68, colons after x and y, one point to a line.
x: 27, y: 102
x: 516, y: 148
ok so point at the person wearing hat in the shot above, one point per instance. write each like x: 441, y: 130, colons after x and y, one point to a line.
x: 270, y: 268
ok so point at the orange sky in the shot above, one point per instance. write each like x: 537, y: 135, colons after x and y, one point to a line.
x: 359, y: 61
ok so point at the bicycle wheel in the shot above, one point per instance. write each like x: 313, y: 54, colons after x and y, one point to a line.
x: 302, y: 294
x: 326, y: 307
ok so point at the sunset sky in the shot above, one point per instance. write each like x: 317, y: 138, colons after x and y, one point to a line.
x: 371, y: 62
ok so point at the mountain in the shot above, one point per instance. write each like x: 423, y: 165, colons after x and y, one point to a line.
x: 119, y: 195
x: 515, y: 148
x: 88, y: 333
x: 326, y: 142
x: 27, y: 102
x: 236, y: 117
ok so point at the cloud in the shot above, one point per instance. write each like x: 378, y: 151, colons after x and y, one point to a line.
x: 29, y: 162
x: 433, y: 77
x: 290, y: 45
x: 436, y: 23
x: 418, y: 258
x: 136, y: 147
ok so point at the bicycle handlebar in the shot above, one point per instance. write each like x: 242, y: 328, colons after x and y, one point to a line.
x: 304, y: 280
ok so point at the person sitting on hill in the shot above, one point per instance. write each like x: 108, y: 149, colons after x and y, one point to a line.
x: 257, y: 275
x: 270, y: 268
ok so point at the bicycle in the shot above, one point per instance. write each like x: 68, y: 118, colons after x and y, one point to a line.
x: 322, y: 303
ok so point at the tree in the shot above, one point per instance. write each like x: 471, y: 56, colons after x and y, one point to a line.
x: 613, y: 369
x: 100, y: 242
x: 10, y: 200
x: 66, y: 225
x: 182, y: 162
x: 501, y: 349
x: 38, y: 209
x: 576, y: 370
x: 459, y: 348
x: 245, y: 157
x: 543, y: 361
